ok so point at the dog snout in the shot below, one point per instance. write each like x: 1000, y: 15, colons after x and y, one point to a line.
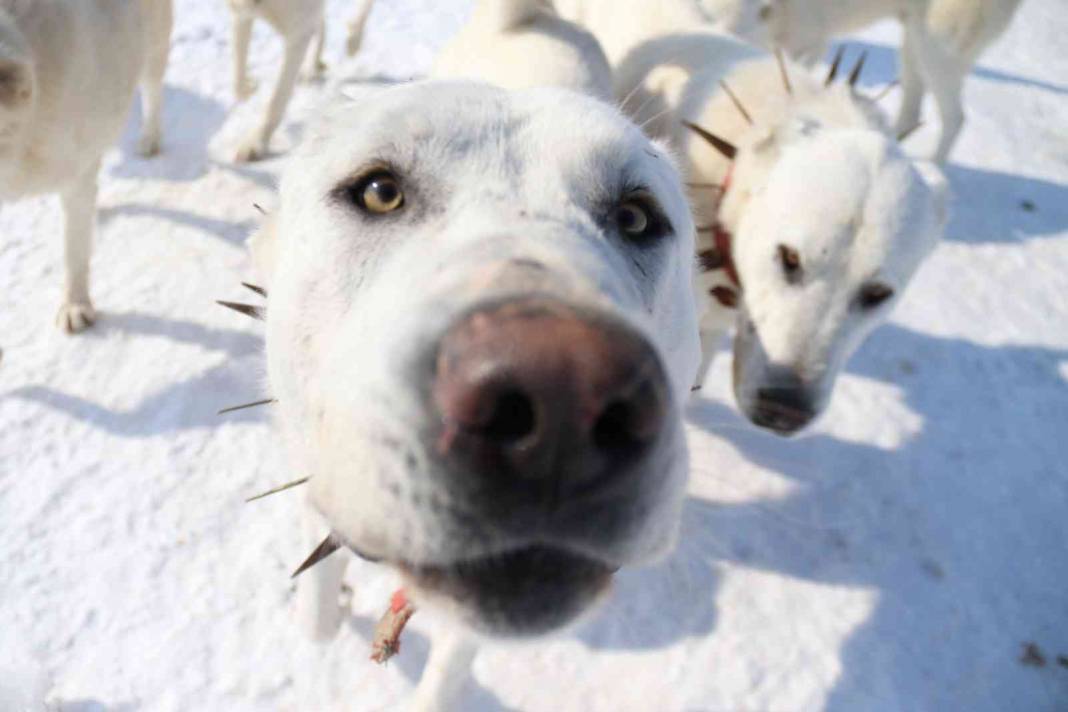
x: 785, y: 407
x: 540, y: 399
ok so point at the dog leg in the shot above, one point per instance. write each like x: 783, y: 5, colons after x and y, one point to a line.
x: 244, y: 85
x: 318, y: 610
x: 947, y: 82
x: 255, y: 146
x: 911, y: 84
x: 446, y: 671
x: 356, y: 27
x: 710, y: 341
x: 158, y: 44
x: 79, y: 213
x: 316, y: 66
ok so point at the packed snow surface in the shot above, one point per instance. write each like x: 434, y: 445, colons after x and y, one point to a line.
x: 910, y: 553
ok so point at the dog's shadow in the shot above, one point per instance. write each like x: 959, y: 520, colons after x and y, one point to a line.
x: 234, y: 233
x: 933, y: 526
x: 181, y: 405
x: 189, y: 120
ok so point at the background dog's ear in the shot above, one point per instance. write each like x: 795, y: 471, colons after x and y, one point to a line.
x: 262, y: 248
x: 936, y: 181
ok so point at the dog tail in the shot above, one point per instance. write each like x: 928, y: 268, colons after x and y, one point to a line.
x: 504, y: 15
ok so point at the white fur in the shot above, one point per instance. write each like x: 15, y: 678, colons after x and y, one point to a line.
x: 943, y: 39
x: 68, y: 71
x: 818, y: 172
x: 495, y: 177
x: 517, y: 44
x: 300, y: 23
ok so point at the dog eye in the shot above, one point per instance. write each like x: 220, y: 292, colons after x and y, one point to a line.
x: 633, y: 219
x: 379, y: 193
x: 791, y: 263
x: 874, y: 294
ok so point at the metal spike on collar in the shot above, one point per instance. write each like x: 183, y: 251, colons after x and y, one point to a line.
x: 246, y: 309
x: 737, y: 103
x: 280, y: 488
x: 255, y: 404
x: 327, y: 547
x: 833, y: 73
x: 727, y: 149
x: 258, y: 290
x: 782, y: 70
x: 855, y: 74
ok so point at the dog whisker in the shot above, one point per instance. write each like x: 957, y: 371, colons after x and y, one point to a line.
x: 725, y: 148
x: 909, y: 131
x: 235, y: 408
x: 259, y: 208
x: 327, y: 547
x: 258, y: 290
x: 738, y: 104
x: 654, y: 117
x: 246, y: 309
x: 886, y: 90
x: 833, y: 73
x: 280, y: 488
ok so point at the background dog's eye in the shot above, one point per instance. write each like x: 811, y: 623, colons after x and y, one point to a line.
x: 633, y: 219
x: 791, y: 263
x: 874, y: 294
x: 379, y: 193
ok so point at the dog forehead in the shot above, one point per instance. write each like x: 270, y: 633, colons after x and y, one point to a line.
x: 545, y: 135
x: 844, y: 193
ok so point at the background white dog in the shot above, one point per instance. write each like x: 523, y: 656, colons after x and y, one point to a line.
x: 507, y: 278
x: 517, y: 44
x: 943, y: 38
x: 299, y: 22
x: 68, y: 71
x: 812, y: 218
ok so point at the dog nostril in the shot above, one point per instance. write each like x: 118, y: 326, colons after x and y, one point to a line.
x: 626, y: 426
x: 512, y: 418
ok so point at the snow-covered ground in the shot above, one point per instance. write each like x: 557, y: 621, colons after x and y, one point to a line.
x: 900, y: 557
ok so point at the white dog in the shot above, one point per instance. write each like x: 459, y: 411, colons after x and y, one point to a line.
x: 68, y: 71
x: 481, y: 330
x: 943, y: 38
x: 300, y: 23
x: 357, y: 25
x: 518, y: 44
x: 813, y: 220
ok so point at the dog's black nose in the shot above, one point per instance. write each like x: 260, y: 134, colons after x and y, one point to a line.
x: 785, y: 408
x: 538, y: 398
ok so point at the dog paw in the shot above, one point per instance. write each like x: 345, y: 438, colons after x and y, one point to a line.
x: 148, y: 145
x: 314, y: 72
x: 75, y: 316
x: 243, y: 90
x: 254, y: 149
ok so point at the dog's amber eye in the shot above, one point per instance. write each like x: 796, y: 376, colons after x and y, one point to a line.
x: 379, y: 193
x: 873, y: 294
x: 633, y: 219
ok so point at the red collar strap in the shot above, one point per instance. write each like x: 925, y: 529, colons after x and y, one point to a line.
x: 721, y: 254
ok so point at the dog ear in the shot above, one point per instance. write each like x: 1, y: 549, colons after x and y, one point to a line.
x: 262, y: 246
x: 16, y: 83
x: 938, y: 185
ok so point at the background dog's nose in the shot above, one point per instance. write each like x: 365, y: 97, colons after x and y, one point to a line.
x: 535, y: 396
x: 785, y: 407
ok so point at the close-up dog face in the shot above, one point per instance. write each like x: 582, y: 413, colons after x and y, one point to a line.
x: 824, y: 250
x: 481, y: 329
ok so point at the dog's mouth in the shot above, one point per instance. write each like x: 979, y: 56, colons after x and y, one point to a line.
x: 522, y: 592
